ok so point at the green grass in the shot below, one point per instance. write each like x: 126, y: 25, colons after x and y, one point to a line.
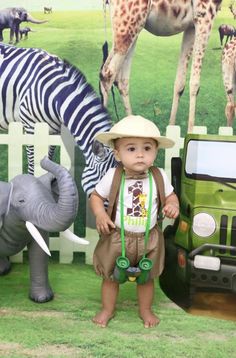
x: 63, y: 327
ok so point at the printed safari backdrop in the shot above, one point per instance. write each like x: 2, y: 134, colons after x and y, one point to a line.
x: 76, y: 31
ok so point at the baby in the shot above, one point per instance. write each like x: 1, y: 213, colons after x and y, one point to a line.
x: 135, y: 141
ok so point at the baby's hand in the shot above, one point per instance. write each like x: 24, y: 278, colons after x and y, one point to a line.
x: 171, y: 210
x: 104, y: 223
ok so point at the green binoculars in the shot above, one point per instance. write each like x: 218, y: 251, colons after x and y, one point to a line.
x: 124, y: 272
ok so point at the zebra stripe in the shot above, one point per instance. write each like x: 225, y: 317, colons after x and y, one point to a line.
x: 36, y: 86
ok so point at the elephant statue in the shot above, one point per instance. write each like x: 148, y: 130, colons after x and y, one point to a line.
x: 11, y: 18
x: 30, y: 208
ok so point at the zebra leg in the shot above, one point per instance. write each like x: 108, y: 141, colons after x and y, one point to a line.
x: 51, y: 151
x: 30, y: 157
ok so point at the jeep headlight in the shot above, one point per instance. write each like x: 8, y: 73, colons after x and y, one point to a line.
x: 203, y: 224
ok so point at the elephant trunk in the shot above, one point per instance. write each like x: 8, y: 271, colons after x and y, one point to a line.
x: 35, y: 21
x: 59, y: 216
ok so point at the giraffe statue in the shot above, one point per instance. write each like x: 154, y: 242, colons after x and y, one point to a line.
x: 162, y: 18
x: 229, y: 78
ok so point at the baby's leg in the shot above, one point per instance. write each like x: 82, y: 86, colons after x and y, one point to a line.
x: 145, y: 299
x: 109, y: 293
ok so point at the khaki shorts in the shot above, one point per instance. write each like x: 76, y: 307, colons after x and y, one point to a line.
x: 109, y: 248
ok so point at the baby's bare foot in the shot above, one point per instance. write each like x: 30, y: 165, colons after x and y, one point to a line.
x: 102, y: 318
x: 149, y: 318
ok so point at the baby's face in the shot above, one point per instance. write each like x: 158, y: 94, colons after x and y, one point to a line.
x: 136, y: 154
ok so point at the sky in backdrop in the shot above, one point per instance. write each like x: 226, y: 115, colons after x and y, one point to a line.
x: 37, y: 5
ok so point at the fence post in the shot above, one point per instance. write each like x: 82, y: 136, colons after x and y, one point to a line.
x: 15, y: 162
x: 15, y: 143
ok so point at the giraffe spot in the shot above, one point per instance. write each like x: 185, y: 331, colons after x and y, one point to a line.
x: 163, y: 7
x: 217, y: 2
x: 184, y: 15
x: 181, y: 92
x: 176, y: 11
x: 211, y: 12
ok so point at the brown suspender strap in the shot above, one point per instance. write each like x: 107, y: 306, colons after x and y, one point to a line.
x: 159, y: 185
x: 114, y: 192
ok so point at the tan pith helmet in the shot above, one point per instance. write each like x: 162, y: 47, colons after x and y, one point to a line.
x: 134, y: 126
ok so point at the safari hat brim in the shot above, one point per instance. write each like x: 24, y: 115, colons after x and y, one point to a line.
x: 134, y: 126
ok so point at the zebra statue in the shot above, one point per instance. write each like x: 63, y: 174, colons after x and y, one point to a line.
x: 36, y: 86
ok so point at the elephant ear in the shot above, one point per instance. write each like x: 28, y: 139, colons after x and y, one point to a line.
x: 5, y: 199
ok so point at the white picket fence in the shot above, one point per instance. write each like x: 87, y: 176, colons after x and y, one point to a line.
x: 16, y: 139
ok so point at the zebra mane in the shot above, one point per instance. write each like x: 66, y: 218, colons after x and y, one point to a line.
x: 74, y: 71
x: 67, y: 64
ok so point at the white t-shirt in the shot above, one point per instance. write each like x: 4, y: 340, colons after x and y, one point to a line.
x: 136, y: 200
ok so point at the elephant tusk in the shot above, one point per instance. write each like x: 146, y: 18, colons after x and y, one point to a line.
x: 72, y: 237
x: 37, y: 237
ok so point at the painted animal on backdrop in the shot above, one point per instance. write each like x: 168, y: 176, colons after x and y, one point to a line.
x: 36, y: 86
x: 24, y: 32
x: 229, y: 79
x: 47, y: 10
x: 11, y: 18
x: 233, y: 10
x: 227, y: 31
x: 162, y: 18
x: 30, y: 208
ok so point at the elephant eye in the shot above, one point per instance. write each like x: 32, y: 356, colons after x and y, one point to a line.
x: 21, y: 201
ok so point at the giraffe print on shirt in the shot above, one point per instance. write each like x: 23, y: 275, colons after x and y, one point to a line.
x: 138, y: 200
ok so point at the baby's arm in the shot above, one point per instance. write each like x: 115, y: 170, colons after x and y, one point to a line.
x: 103, y: 221
x: 171, y: 208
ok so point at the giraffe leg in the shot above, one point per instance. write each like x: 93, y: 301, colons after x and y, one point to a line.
x: 203, y: 24
x: 228, y: 74
x: 122, y: 79
x: 128, y: 19
x: 108, y: 74
x: 185, y: 54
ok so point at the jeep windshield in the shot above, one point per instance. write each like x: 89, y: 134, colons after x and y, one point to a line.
x: 211, y: 160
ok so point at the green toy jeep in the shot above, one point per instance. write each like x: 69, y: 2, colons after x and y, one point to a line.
x: 201, y: 245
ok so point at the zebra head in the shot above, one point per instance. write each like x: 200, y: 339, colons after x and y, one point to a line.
x: 99, y: 161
